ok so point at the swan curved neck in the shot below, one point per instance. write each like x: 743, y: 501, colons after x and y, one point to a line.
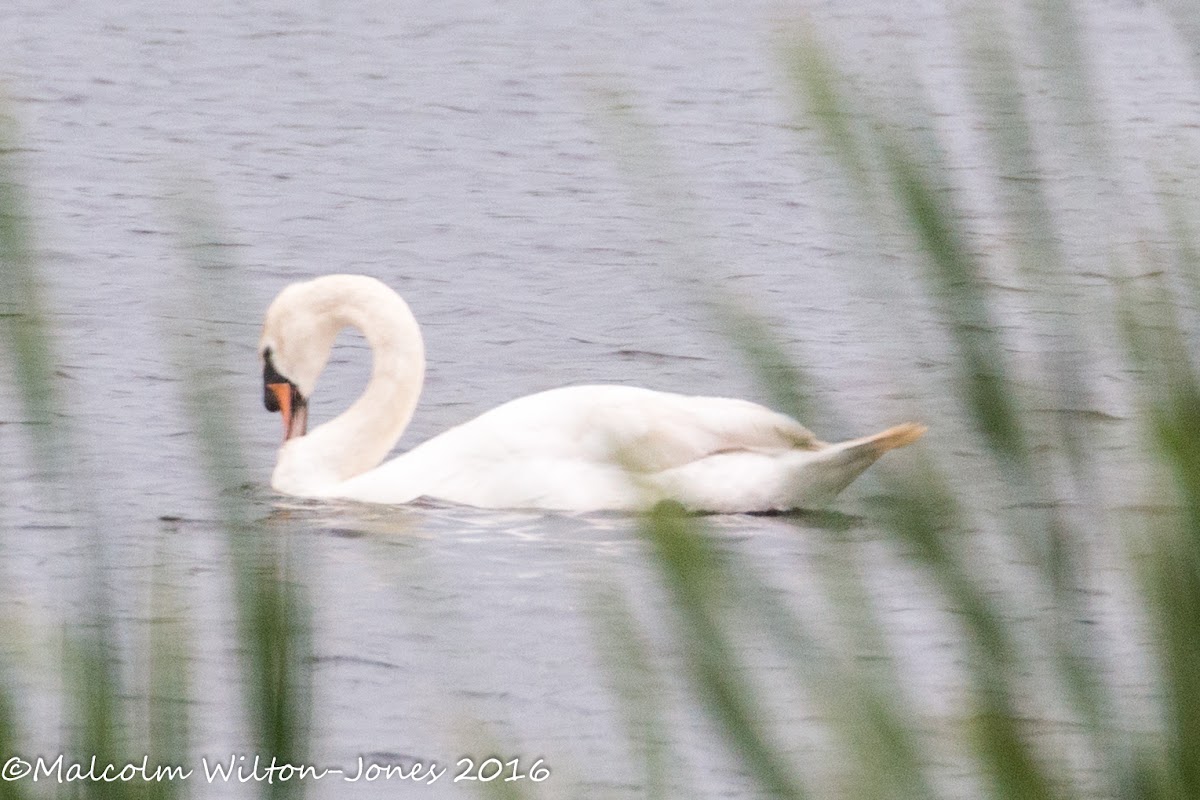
x: 359, y: 438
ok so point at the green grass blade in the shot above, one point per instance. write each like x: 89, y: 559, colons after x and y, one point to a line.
x: 637, y: 684
x: 864, y: 706
x: 690, y: 568
x: 789, y: 388
x: 1026, y: 206
x: 820, y: 87
x: 93, y: 682
x: 1174, y: 588
x: 29, y: 351
x: 646, y: 163
x: 1157, y: 345
x: 986, y: 384
x: 23, y: 318
x: 273, y: 619
x: 998, y: 87
x: 1171, y: 393
x: 10, y: 745
x: 921, y: 511
x: 982, y: 373
x: 168, y: 707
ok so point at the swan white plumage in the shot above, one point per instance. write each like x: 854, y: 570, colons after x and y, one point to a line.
x: 574, y: 448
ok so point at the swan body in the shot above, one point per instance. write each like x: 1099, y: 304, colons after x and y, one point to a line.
x: 580, y: 448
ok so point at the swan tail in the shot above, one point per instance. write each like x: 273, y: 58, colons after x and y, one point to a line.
x: 897, y: 436
x: 740, y: 481
x: 858, y: 454
x: 833, y: 469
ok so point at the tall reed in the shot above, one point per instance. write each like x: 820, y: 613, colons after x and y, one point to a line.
x: 113, y: 714
x: 1049, y: 493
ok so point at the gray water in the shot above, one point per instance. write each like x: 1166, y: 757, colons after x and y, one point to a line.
x: 466, y: 154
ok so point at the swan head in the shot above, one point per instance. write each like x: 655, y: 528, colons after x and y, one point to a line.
x: 297, y: 337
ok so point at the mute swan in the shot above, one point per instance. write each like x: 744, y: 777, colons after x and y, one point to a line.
x: 573, y: 448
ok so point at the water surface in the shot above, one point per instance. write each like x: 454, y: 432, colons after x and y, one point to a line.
x: 462, y: 152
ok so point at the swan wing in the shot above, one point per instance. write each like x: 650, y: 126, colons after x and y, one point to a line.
x: 579, y: 447
x: 664, y: 433
x: 643, y: 430
x: 619, y: 448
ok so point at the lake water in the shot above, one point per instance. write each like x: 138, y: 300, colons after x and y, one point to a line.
x: 467, y: 154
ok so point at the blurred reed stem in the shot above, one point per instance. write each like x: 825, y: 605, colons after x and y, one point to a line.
x: 1037, y: 459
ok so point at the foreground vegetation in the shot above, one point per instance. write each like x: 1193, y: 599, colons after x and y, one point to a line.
x: 1049, y: 494
x: 1046, y: 495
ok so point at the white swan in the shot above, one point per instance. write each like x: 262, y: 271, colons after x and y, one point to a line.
x: 574, y: 448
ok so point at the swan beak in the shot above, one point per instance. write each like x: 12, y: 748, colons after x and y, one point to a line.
x: 280, y: 394
x: 291, y: 405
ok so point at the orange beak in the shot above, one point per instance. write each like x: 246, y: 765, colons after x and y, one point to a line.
x: 295, y: 414
x: 280, y: 394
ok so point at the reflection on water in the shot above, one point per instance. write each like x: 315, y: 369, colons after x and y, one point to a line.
x: 433, y: 619
x: 457, y: 152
